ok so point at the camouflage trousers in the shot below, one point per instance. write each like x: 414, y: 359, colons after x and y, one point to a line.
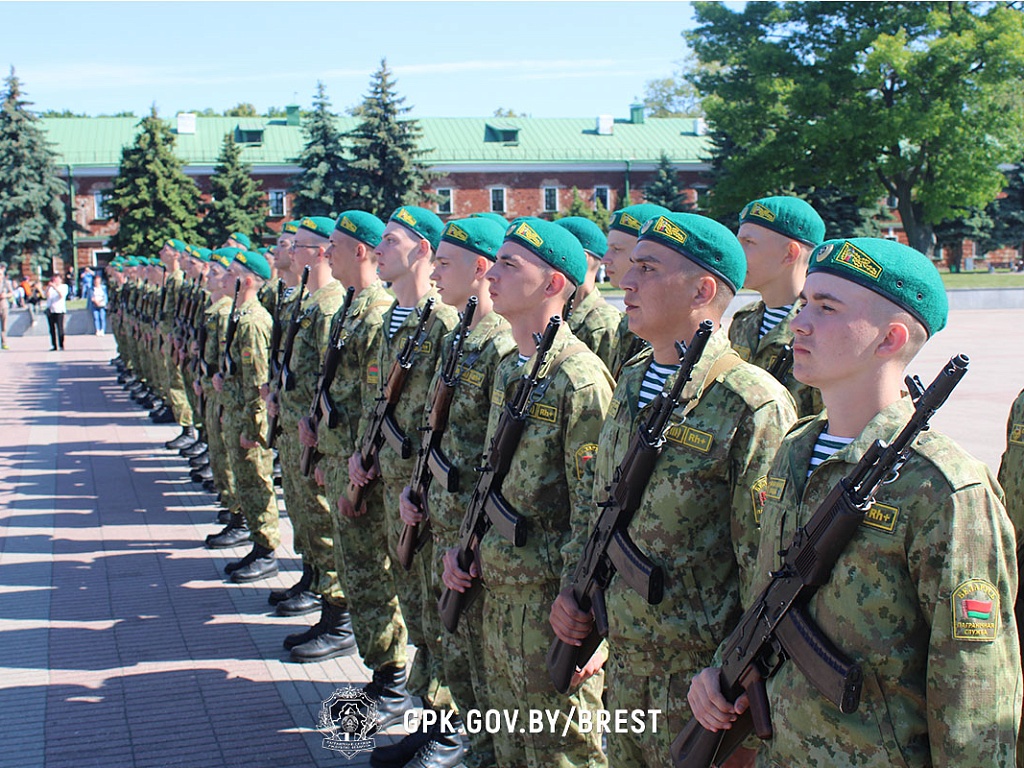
x: 176, y: 396
x: 222, y: 476
x: 631, y: 687
x: 364, y: 570
x: 311, y: 518
x: 253, y: 470
x: 516, y: 640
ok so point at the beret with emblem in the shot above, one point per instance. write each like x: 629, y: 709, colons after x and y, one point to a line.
x: 480, y: 235
x: 242, y: 239
x: 363, y: 226
x: 492, y: 216
x: 703, y: 241
x: 789, y: 216
x: 422, y: 222
x: 290, y: 228
x: 553, y: 244
x: 131, y: 261
x: 177, y: 245
x: 255, y: 262
x: 899, y: 273
x: 632, y: 217
x: 224, y: 256
x: 203, y: 254
x: 318, y: 225
x: 587, y: 232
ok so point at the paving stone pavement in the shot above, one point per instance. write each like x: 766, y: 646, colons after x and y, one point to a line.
x: 121, y: 642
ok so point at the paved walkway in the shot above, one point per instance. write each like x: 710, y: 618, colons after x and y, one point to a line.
x: 121, y: 643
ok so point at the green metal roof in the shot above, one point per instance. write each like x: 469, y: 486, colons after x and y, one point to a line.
x: 98, y: 141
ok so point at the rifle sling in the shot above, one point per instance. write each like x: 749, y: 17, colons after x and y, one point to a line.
x: 725, y: 363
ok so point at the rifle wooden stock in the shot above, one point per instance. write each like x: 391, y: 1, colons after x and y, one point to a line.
x: 280, y: 381
x: 775, y: 627
x: 609, y: 549
x: 487, y: 506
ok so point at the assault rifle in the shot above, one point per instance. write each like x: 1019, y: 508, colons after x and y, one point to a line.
x: 227, y: 363
x: 609, y: 550
x: 322, y: 405
x: 431, y: 461
x: 276, y: 331
x: 782, y: 364
x: 382, y: 426
x: 285, y: 380
x: 487, y: 506
x: 776, y: 626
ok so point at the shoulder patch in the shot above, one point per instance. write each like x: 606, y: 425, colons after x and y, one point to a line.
x: 427, y: 347
x: 372, y: 374
x: 246, y: 353
x: 497, y: 397
x: 543, y: 412
x: 584, y: 453
x: 758, y: 496
x: 613, y: 408
x: 975, y: 605
x: 688, y: 437
x: 472, y: 378
x: 882, y: 517
x: 1017, y: 434
x: 743, y: 352
x: 774, y: 488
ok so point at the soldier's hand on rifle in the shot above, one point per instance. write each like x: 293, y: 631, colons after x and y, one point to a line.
x: 197, y: 387
x: 273, y: 407
x: 591, y: 668
x: 306, y: 434
x: 456, y: 578
x: 218, y: 382
x: 318, y: 475
x: 709, y: 706
x: 246, y: 443
x: 356, y: 474
x: 264, y: 391
x: 571, y: 625
x: 409, y: 511
x: 345, y: 508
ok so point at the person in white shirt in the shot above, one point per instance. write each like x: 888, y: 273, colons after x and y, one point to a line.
x: 56, y: 308
x: 98, y: 304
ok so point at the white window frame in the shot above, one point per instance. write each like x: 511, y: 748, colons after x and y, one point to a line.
x: 450, y: 200
x: 504, y: 199
x: 99, y: 197
x: 607, y: 196
x: 544, y: 199
x: 284, y: 203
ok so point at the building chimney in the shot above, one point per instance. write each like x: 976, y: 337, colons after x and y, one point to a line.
x: 605, y: 123
x: 700, y: 126
x: 292, y: 111
x: 186, y: 123
x: 636, y: 114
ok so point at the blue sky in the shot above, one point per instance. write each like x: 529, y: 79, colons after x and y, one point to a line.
x: 459, y: 59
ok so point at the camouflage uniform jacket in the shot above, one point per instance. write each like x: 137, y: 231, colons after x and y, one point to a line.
x: 628, y: 346
x: 595, y: 322
x: 745, y: 335
x: 941, y: 687
x: 250, y: 350
x: 356, y: 385
x: 216, y: 319
x: 395, y: 470
x: 463, y: 442
x: 284, y: 316
x: 699, y: 514
x: 308, y: 352
x: 174, y: 282
x: 1011, y: 470
x: 267, y: 296
x: 551, y: 480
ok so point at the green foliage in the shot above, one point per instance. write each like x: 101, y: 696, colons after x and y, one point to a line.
x: 238, y: 203
x: 920, y: 101
x: 321, y: 188
x: 152, y: 200
x: 61, y: 113
x: 674, y: 96
x: 844, y: 213
x: 665, y: 189
x: 503, y: 112
x: 972, y: 224
x: 32, y: 216
x: 580, y: 207
x: 385, y: 170
x: 1007, y: 214
x: 244, y: 109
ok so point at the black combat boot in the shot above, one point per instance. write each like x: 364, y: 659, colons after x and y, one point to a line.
x: 388, y: 689
x: 195, y: 449
x: 200, y: 461
x: 162, y: 415
x: 236, y: 532
x: 298, y: 638
x: 444, y: 750
x: 401, y: 752
x: 187, y: 437
x: 336, y: 640
x: 262, y: 566
x: 280, y: 595
x: 202, y: 475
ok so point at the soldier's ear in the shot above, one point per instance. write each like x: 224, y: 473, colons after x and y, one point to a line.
x: 482, y: 267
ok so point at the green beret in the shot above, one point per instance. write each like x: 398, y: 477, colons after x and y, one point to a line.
x: 290, y: 228
x: 262, y: 250
x: 479, y: 235
x: 789, y: 216
x: 319, y: 225
x: 118, y: 267
x: 255, y: 262
x: 363, y: 226
x: 241, y: 237
x: 177, y: 245
x: 154, y: 261
x: 703, y: 241
x: 203, y: 254
x: 131, y: 261
x: 224, y: 256
x: 632, y: 217
x: 552, y: 244
x: 424, y: 223
x: 898, y: 272
x: 587, y: 232
x: 492, y: 216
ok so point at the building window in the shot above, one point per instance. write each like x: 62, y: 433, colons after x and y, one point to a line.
x: 278, y: 202
x: 892, y: 201
x: 498, y: 200
x: 550, y: 199
x: 100, y: 198
x: 601, y: 195
x: 444, y: 204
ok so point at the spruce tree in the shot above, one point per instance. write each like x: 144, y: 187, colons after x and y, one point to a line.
x: 385, y: 171
x: 665, y: 190
x: 579, y: 207
x: 238, y: 204
x: 152, y: 199
x: 32, y: 217
x: 320, y: 187
x: 1007, y: 213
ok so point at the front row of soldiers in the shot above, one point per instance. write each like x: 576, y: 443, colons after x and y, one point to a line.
x: 407, y: 430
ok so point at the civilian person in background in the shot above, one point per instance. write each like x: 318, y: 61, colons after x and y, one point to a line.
x: 56, y: 308
x: 97, y: 294
x: 85, y: 283
x: 69, y: 283
x: 6, y: 296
